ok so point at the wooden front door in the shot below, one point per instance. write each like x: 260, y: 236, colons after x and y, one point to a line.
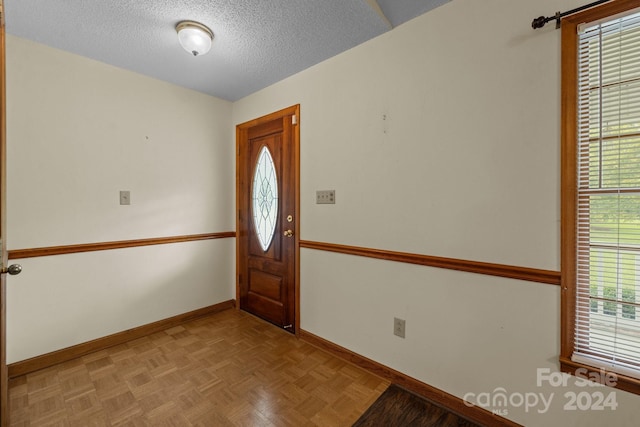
x: 267, y: 217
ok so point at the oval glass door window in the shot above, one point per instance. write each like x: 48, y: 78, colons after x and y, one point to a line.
x: 265, y: 198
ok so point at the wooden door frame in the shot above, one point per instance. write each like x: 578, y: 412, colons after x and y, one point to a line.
x: 295, y: 111
x: 4, y: 374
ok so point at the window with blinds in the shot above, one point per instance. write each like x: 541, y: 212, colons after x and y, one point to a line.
x: 607, y: 316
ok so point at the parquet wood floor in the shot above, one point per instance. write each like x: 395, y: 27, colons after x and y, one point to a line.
x: 228, y: 369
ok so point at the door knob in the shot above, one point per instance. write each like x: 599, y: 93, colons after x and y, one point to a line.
x: 288, y: 233
x: 13, y: 269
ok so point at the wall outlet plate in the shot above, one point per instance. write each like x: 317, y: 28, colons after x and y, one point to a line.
x: 398, y: 327
x: 326, y: 197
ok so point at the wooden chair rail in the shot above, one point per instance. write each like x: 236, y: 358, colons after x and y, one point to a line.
x: 501, y: 270
x: 103, y: 246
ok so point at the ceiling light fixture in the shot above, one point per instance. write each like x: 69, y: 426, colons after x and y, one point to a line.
x: 194, y: 37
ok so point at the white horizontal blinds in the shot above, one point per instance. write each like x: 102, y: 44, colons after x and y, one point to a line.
x: 608, y: 272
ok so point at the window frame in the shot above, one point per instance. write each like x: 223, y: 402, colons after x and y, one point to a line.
x: 569, y: 191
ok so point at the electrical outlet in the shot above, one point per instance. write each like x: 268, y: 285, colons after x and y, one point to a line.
x: 125, y: 197
x: 325, y: 197
x: 398, y: 327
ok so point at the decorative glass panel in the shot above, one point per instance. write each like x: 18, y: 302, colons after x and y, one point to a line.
x: 265, y: 198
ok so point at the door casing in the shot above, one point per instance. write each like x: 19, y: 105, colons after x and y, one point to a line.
x: 4, y: 374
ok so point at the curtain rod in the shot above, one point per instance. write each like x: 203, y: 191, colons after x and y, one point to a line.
x: 541, y: 21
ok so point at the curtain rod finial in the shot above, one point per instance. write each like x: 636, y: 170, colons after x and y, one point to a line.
x: 538, y: 22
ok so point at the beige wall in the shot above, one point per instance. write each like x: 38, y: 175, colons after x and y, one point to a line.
x: 79, y: 131
x: 441, y: 138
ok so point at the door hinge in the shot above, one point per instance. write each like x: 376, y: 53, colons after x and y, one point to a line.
x: 294, y: 120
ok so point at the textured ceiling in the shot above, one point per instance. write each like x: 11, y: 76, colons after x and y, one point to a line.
x: 256, y: 43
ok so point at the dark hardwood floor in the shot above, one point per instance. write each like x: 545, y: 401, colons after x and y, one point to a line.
x: 400, y: 407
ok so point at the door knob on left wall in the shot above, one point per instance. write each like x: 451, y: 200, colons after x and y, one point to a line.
x: 13, y: 269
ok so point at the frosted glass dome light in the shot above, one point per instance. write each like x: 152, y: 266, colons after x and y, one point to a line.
x: 194, y: 37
